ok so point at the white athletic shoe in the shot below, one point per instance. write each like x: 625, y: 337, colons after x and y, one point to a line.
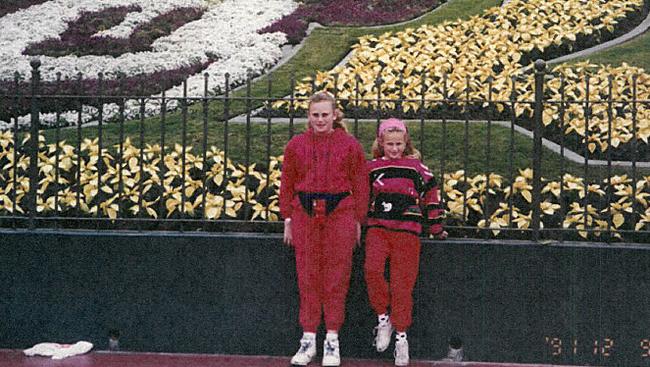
x: 306, y: 353
x: 383, y: 333
x: 331, y: 353
x: 401, y: 352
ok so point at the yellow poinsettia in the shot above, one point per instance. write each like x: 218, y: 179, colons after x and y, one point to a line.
x: 643, y: 221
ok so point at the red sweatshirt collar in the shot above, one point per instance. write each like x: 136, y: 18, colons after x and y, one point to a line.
x: 312, y: 134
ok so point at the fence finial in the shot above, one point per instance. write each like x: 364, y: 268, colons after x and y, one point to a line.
x: 540, y: 65
x: 35, y: 63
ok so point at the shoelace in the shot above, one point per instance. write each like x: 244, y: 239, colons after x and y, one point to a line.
x: 304, y: 346
x: 329, y: 348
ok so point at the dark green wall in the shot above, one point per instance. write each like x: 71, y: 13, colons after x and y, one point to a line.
x: 236, y: 293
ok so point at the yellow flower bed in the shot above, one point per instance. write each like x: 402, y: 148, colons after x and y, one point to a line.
x: 621, y: 110
x: 627, y: 197
x: 143, y: 186
x: 139, y: 175
x: 492, y: 45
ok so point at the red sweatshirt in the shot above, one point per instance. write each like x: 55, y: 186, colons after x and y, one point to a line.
x: 331, y: 163
x: 404, y: 195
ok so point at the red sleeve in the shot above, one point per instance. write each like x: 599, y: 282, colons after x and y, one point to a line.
x: 287, y: 180
x: 431, y: 201
x: 360, y: 186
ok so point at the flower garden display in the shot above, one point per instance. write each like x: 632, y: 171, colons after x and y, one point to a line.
x: 151, y: 46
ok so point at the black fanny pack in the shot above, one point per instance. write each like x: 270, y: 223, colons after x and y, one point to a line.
x: 391, y: 206
x: 319, y: 203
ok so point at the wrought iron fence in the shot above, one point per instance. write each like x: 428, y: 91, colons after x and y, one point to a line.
x: 139, y: 172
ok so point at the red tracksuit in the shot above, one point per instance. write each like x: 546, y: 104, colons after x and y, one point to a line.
x: 331, y: 164
x: 404, y: 195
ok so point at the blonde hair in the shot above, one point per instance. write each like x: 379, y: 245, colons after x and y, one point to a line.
x: 409, y: 150
x: 325, y: 96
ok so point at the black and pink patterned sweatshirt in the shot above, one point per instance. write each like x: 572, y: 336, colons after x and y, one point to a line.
x: 404, y: 196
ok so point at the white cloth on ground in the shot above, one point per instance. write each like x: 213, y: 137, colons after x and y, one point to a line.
x: 59, y: 351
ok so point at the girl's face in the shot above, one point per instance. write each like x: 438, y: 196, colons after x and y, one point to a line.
x: 394, y: 143
x: 321, y: 117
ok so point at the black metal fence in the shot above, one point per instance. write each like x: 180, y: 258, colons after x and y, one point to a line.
x: 140, y: 172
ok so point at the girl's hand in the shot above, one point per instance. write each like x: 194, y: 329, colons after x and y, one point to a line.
x: 358, y: 234
x: 288, y: 238
x: 441, y: 236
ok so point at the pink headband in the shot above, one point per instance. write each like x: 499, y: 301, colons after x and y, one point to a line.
x: 391, y: 124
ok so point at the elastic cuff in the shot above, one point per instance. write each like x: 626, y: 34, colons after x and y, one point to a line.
x: 435, y: 229
x: 286, y: 213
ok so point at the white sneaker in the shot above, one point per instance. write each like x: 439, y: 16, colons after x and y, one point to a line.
x: 331, y: 354
x: 401, y: 352
x: 383, y: 333
x: 306, y: 352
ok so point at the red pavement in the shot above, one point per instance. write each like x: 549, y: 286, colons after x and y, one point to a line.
x: 15, y: 358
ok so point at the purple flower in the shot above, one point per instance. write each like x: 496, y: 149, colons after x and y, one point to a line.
x: 78, y: 38
x: 9, y: 7
x: 348, y: 13
x: 292, y: 25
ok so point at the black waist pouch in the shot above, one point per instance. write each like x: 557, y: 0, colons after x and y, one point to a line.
x: 319, y: 203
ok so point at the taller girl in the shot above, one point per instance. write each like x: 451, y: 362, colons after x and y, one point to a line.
x: 404, y: 196
x: 323, y: 198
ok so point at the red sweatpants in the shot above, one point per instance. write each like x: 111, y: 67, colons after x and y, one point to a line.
x: 323, y: 263
x: 402, y: 249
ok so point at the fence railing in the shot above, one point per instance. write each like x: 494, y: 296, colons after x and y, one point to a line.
x: 213, y: 162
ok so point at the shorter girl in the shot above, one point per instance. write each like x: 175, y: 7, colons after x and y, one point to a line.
x: 404, y: 195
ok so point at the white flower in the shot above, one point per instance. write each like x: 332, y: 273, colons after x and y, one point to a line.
x: 227, y: 32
